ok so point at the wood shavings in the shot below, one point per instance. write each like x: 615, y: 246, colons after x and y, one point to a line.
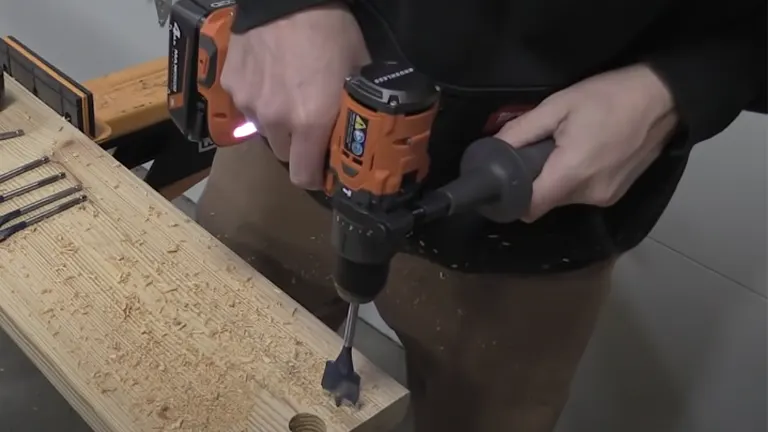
x: 170, y: 289
x: 68, y: 248
x: 131, y: 303
x: 66, y: 279
x: 123, y: 277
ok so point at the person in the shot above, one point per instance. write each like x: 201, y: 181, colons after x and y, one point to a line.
x: 493, y: 318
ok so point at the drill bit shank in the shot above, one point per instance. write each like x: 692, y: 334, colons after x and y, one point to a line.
x: 6, y: 233
x: 29, y: 166
x: 31, y: 187
x: 11, y: 134
x: 29, y: 208
x: 351, y: 325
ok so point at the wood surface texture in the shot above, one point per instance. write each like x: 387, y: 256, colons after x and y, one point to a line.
x: 144, y: 321
x: 131, y: 99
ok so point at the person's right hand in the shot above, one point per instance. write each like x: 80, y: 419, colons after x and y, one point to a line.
x: 287, y: 77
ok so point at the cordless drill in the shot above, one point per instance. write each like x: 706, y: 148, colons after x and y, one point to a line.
x: 378, y: 150
x: 377, y: 161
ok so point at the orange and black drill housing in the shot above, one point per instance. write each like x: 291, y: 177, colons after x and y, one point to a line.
x: 378, y: 150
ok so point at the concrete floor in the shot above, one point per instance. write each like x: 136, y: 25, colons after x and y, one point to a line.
x: 29, y: 403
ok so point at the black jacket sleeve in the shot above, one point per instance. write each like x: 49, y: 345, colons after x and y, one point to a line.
x: 253, y: 13
x: 716, y: 67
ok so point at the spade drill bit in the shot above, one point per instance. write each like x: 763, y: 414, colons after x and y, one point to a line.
x: 339, y: 377
x: 31, y: 186
x: 6, y: 233
x: 29, y: 208
x: 27, y: 167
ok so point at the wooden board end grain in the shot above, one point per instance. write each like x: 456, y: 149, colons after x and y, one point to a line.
x: 144, y: 321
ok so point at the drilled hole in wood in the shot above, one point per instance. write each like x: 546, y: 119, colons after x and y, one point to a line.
x: 304, y: 422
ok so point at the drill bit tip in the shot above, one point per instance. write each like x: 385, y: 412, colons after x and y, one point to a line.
x: 340, y: 378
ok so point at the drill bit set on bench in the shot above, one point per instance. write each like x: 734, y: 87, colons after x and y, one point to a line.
x: 6, y: 230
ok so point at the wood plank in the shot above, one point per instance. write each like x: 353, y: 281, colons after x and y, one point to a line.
x: 144, y: 321
x: 131, y: 99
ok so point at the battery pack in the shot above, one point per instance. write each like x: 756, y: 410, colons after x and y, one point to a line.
x: 197, y: 102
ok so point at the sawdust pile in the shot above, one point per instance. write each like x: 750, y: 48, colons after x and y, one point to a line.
x: 175, y: 349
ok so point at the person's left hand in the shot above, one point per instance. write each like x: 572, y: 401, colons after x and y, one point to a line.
x: 608, y: 129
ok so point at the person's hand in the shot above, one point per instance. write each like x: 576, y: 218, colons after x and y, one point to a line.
x: 287, y: 77
x: 608, y: 130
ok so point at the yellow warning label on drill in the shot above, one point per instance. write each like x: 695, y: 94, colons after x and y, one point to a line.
x: 354, y: 141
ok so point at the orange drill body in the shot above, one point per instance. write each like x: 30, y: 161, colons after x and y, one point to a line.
x: 378, y: 160
x: 382, y: 154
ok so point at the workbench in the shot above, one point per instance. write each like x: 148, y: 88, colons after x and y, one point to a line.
x: 132, y: 104
x: 140, y: 318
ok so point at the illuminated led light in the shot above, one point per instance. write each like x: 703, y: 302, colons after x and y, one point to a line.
x: 245, y: 130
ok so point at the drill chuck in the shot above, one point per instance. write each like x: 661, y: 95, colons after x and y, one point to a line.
x: 365, y: 243
x: 360, y: 283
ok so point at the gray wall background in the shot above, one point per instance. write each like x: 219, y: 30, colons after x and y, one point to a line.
x: 681, y: 346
